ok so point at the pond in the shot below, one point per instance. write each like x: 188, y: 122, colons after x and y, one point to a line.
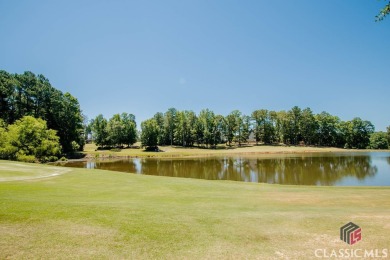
x: 327, y: 169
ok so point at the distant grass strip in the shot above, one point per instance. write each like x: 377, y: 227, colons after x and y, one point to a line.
x: 89, y: 214
x: 90, y: 150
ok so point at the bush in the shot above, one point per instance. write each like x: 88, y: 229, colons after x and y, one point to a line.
x: 378, y: 140
x: 26, y: 158
x: 29, y: 137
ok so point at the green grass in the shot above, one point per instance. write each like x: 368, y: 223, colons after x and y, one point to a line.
x: 101, y: 214
x: 90, y: 150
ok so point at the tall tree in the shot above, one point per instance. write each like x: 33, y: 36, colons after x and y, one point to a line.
x: 264, y: 129
x: 308, y: 126
x: 159, y: 117
x: 170, y: 124
x: 258, y: 116
x: 7, y: 84
x: 149, y: 133
x: 207, y: 124
x: 295, y: 117
x: 181, y: 128
x: 231, y: 125
x: 129, y: 136
x: 273, y: 115
x: 115, y: 129
x: 192, y: 122
x: 30, y: 95
x: 185, y: 125
x: 328, y: 129
x: 100, y: 131
x: 357, y: 133
x: 244, y: 129
x: 69, y: 123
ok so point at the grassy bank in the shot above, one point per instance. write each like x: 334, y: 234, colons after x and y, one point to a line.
x: 100, y: 214
x: 91, y: 151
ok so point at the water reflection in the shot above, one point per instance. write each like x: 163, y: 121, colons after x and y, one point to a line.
x: 305, y: 170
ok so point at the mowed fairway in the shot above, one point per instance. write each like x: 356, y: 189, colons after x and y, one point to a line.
x: 90, y: 214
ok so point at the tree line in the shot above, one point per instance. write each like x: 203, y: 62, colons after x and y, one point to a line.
x: 32, y: 95
x: 119, y: 130
x: 293, y: 127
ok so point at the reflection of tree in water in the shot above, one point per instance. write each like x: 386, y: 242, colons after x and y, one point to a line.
x: 302, y: 170
x: 388, y: 160
x: 296, y: 170
x: 200, y: 168
x: 117, y: 165
x: 112, y: 165
x: 314, y: 170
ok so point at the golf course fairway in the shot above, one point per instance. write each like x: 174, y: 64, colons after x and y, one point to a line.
x: 54, y: 212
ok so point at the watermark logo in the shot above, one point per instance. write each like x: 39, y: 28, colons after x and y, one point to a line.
x: 350, y: 233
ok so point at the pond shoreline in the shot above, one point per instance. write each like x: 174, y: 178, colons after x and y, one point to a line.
x: 318, y: 168
x: 193, y: 152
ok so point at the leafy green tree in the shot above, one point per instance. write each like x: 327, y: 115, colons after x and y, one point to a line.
x: 232, y: 125
x: 259, y: 117
x: 294, y: 122
x: 31, y: 137
x: 388, y: 134
x: 149, y: 134
x: 100, y: 130
x: 87, y: 128
x: 129, y: 136
x: 218, y: 130
x: 115, y: 129
x: 181, y: 128
x: 192, y: 123
x: 3, y: 140
x: 159, y: 117
x: 69, y: 123
x: 328, y: 129
x: 185, y: 126
x: 169, y: 125
x: 207, y: 124
x: 28, y: 94
x: 284, y: 127
x: 383, y: 12
x: 276, y: 125
x: 378, y: 140
x: 244, y: 129
x: 308, y: 126
x: 357, y: 133
x: 7, y: 84
x: 264, y: 128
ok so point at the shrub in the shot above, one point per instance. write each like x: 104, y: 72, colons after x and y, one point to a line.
x: 26, y: 158
x: 378, y: 140
x: 29, y: 137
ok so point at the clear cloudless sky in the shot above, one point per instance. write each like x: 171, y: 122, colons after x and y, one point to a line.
x: 144, y: 57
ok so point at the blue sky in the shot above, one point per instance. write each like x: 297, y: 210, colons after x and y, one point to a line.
x: 142, y: 57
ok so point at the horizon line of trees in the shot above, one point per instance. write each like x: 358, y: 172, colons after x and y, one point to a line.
x: 293, y: 127
x: 32, y: 95
x: 119, y: 130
